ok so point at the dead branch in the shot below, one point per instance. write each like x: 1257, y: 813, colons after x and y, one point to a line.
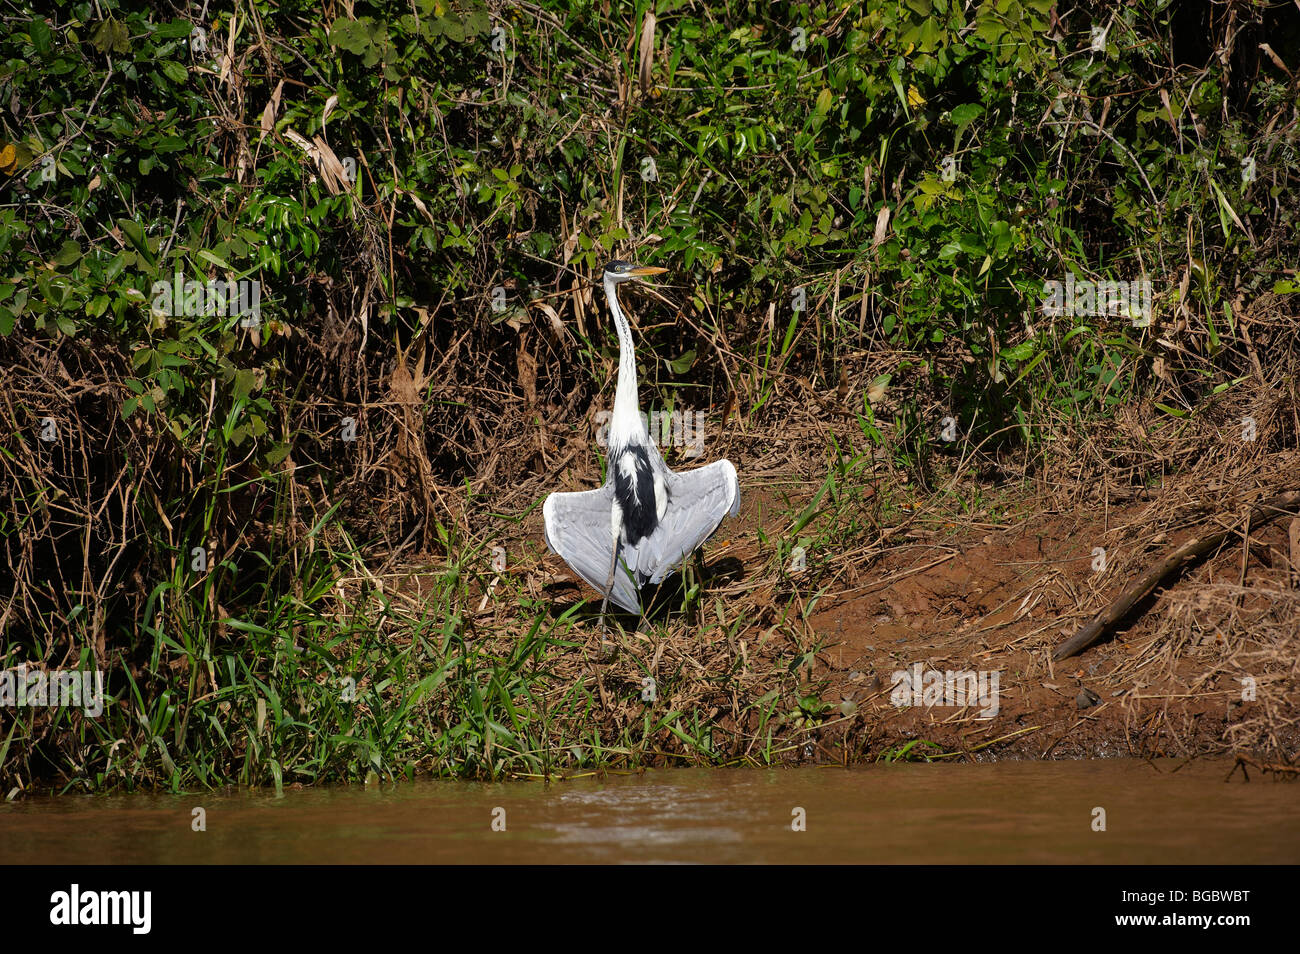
x: 1194, y: 549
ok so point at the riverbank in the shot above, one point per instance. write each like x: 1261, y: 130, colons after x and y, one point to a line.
x: 989, y: 312
x: 925, y: 628
x: 897, y: 660
x: 847, y: 615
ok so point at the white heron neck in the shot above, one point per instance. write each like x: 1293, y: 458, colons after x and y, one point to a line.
x: 626, y: 421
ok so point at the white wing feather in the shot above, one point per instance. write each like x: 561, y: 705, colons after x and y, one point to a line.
x: 697, y: 501
x: 578, y: 529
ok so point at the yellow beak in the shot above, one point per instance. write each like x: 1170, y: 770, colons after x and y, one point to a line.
x: 643, y: 270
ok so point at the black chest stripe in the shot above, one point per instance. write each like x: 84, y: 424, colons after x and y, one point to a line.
x: 634, y: 489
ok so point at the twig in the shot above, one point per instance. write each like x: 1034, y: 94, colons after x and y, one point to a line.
x: 1193, y: 549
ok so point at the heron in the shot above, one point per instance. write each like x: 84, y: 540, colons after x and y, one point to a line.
x: 645, y: 519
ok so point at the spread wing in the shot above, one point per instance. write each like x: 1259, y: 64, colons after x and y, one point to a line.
x: 697, y: 501
x: 578, y: 528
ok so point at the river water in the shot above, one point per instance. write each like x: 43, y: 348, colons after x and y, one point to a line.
x: 1008, y: 812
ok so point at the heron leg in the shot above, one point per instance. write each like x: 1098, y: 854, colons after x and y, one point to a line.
x: 609, y: 581
x: 698, y: 568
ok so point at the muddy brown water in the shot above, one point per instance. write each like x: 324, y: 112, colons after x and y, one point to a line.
x: 1039, y: 812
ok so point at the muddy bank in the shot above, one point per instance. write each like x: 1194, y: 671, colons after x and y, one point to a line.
x: 1205, y: 666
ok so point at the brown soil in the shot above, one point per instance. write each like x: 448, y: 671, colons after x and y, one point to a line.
x: 1003, y: 600
x: 983, y: 597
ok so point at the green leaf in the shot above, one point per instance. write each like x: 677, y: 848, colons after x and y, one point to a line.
x: 1213, y: 331
x: 175, y: 72
x: 115, y: 267
x: 173, y: 29
x: 244, y: 381
x: 1226, y: 210
x: 1002, y: 239
x: 898, y: 88
x: 135, y: 235
x: 215, y: 259
x: 351, y: 35
x: 111, y: 37
x: 453, y: 29
x: 69, y: 253
x: 682, y: 364
x: 810, y: 511
x: 1038, y: 359
x: 245, y: 627
x: 42, y: 36
x: 824, y: 100
x: 813, y: 705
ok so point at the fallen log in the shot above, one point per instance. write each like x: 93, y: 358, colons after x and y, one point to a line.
x: 1264, y: 512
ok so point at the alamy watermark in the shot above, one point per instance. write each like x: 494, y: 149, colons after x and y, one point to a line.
x: 683, y: 429
x: 916, y: 686
x: 216, y: 296
x: 1112, y: 299
x: 57, y: 688
x: 75, y: 906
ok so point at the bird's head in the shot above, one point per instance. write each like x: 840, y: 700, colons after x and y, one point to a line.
x: 619, y: 271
